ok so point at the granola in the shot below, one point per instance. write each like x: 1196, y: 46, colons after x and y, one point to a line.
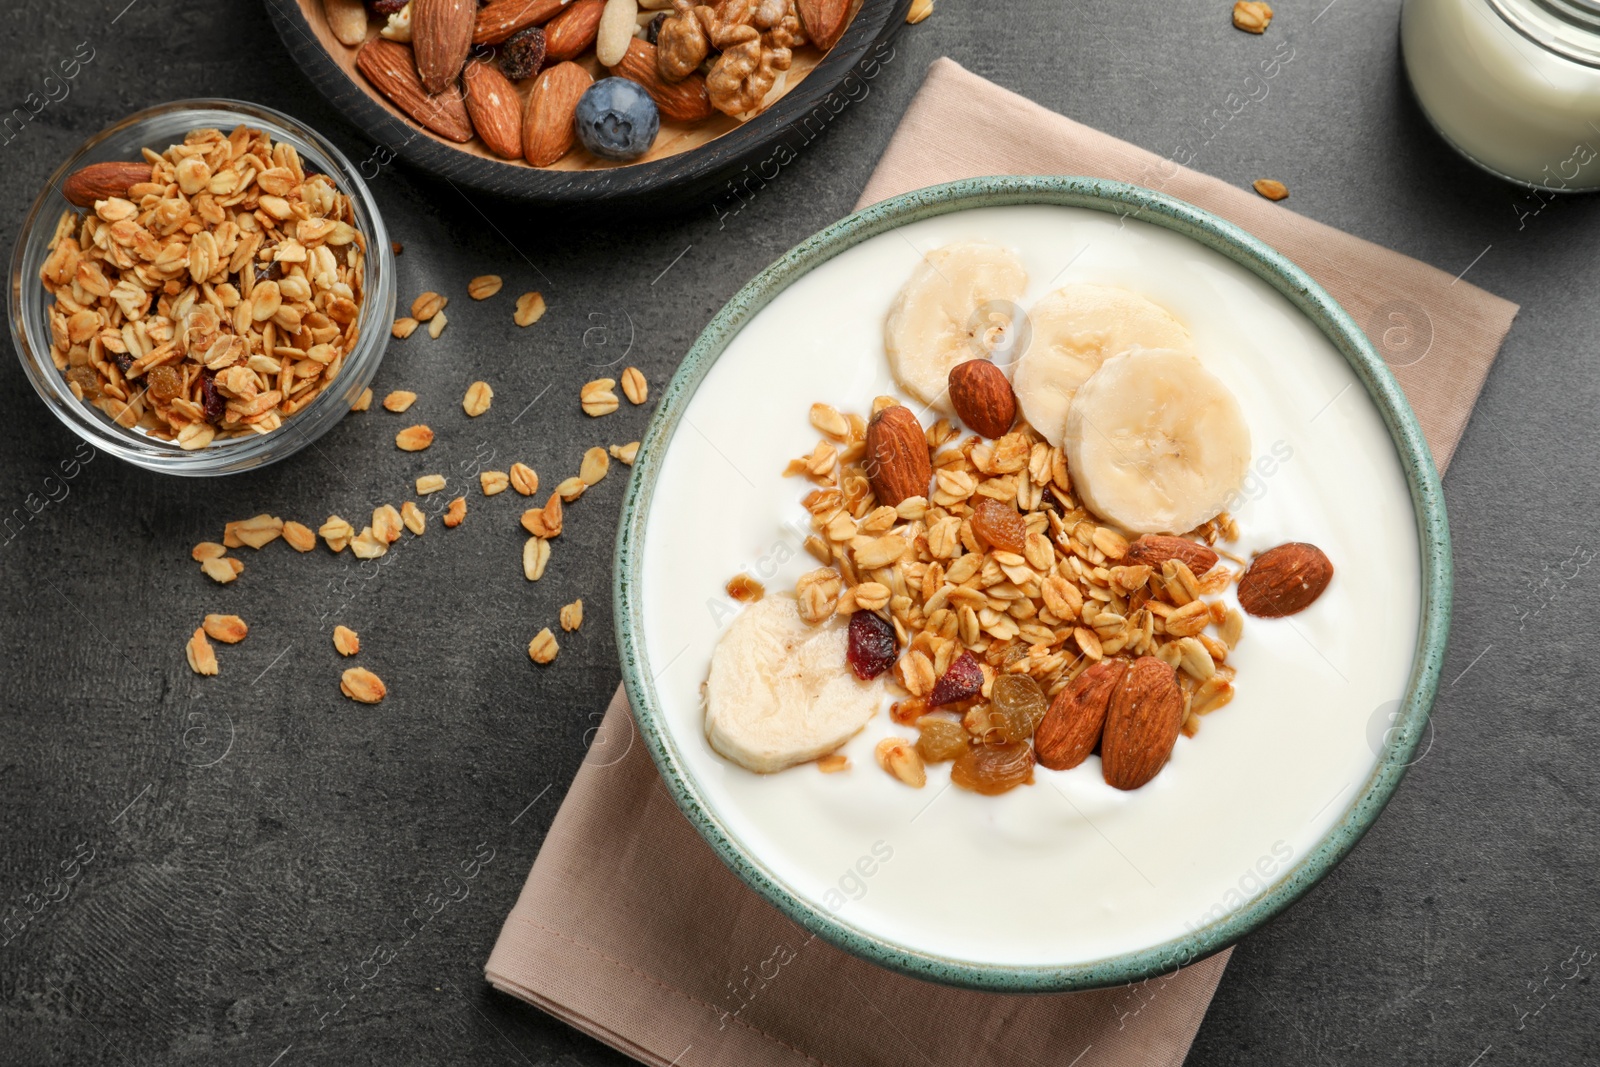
x: 221, y: 297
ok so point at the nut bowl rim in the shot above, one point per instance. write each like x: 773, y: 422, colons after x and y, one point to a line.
x: 1300, y: 290
x: 28, y: 301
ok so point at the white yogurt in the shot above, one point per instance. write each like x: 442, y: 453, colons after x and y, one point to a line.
x: 1067, y: 870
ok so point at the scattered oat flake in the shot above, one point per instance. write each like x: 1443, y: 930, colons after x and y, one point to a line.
x: 363, y: 402
x: 399, y: 400
x: 484, y: 286
x: 221, y: 569
x: 745, y: 589
x: 535, y: 557
x: 524, y: 479
x: 597, y: 398
x: 625, y: 453
x: 229, y: 629
x: 413, y: 517
x: 571, y: 489
x: 337, y: 533
x: 429, y: 483
x: 367, y: 545
x: 436, y: 325
x: 404, y: 327
x: 1252, y: 16
x: 494, y: 482
x: 259, y: 531
x: 201, y: 656
x: 299, y: 537
x: 1270, y: 188
x: 833, y: 763
x: 427, y: 306
x: 456, y: 512
x: 530, y: 308
x: 413, y: 438
x: 920, y: 9
x: 634, y: 387
x: 572, y: 615
x: 543, y: 647
x: 476, y: 402
x: 361, y: 685
x: 594, y: 466
x: 386, y: 523
x: 346, y: 640
x: 207, y: 550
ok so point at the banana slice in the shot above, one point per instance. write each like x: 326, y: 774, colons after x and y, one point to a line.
x: 780, y: 691
x: 959, y: 304
x: 1074, y: 330
x: 1155, y: 442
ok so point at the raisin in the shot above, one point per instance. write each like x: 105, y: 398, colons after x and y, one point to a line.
x: 124, y: 360
x: 522, y: 54
x: 653, y: 33
x: 872, y: 645
x: 268, y: 272
x: 999, y: 526
x: 962, y: 680
x: 165, y: 383
x: 940, y: 740
x: 212, y: 401
x: 1020, y: 699
x: 994, y: 769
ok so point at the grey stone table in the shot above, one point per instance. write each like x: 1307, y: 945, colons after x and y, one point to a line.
x: 234, y: 846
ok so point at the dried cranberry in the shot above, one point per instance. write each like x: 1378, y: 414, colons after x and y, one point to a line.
x: 962, y: 680
x: 872, y: 645
x: 212, y: 402
x: 522, y: 54
x: 385, y: 7
x: 653, y: 32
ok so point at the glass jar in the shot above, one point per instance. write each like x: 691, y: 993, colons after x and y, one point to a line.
x: 157, y: 128
x: 1513, y: 85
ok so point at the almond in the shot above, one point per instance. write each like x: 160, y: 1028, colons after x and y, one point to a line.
x: 502, y: 18
x: 897, y: 456
x: 1284, y: 580
x: 1142, y: 722
x: 441, y: 36
x: 569, y: 34
x: 102, y: 181
x: 1071, y: 728
x: 824, y: 20
x: 682, y: 101
x: 547, y: 129
x: 982, y: 397
x: 1155, y: 549
x: 391, y: 70
x: 495, y: 108
x: 347, y: 19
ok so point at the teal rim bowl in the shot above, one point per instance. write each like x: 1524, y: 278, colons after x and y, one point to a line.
x: 1168, y: 213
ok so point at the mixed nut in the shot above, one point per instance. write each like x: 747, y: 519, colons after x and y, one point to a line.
x: 208, y: 291
x: 455, y: 66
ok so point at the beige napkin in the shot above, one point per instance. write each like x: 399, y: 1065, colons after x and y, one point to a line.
x: 632, y: 930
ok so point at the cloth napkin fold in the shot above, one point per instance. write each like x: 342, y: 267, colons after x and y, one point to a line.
x: 629, y: 927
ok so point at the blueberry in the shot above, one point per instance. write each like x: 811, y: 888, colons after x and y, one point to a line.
x: 617, y: 120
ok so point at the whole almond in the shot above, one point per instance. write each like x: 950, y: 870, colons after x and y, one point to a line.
x: 681, y: 101
x: 1142, y: 724
x: 547, y: 126
x: 1071, y: 728
x: 502, y: 18
x: 897, y: 456
x: 1284, y: 580
x: 392, y: 71
x: 569, y: 34
x: 441, y: 36
x: 495, y: 108
x: 102, y: 181
x: 982, y: 397
x: 1155, y: 549
x: 824, y: 20
x: 347, y: 19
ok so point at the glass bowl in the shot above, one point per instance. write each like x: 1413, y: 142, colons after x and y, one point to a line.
x: 156, y: 128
